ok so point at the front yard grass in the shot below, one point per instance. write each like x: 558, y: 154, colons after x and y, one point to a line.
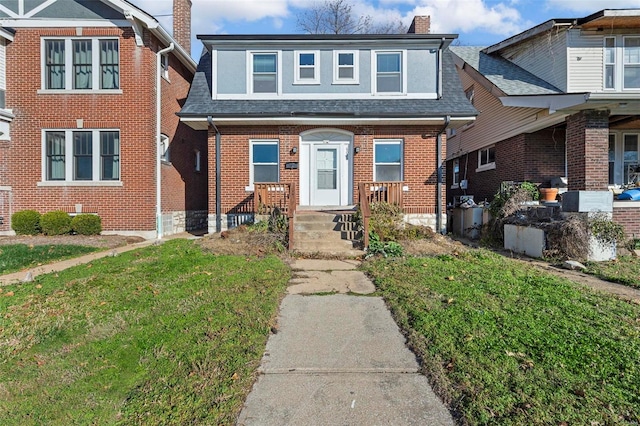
x: 505, y: 344
x: 624, y: 270
x: 163, y: 335
x: 15, y: 257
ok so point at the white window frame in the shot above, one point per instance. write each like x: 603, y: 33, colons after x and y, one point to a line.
x: 68, y: 52
x: 253, y: 142
x: 96, y: 165
x: 624, y: 64
x: 250, y: 55
x: 612, y: 64
x: 164, y: 64
x: 455, y: 179
x: 197, y: 160
x: 337, y: 67
x: 374, y: 71
x: 388, y: 142
x: 488, y: 165
x: 316, y: 67
x: 165, y: 149
x: 623, y: 163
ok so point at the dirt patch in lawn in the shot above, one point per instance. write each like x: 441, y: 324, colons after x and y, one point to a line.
x: 437, y: 245
x: 100, y: 241
x: 242, y: 241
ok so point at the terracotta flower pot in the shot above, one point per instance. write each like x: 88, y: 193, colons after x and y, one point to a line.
x: 548, y: 194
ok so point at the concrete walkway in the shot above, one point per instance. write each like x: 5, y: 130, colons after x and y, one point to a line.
x: 338, y: 359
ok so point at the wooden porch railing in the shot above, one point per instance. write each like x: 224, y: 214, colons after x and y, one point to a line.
x: 365, y: 209
x: 384, y: 192
x: 267, y: 197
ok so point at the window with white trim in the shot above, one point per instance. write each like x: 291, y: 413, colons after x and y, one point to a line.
x: 387, y: 160
x: 81, y: 64
x: 164, y: 65
x: 456, y: 173
x: 81, y: 155
x: 631, y: 63
x: 345, y: 67
x: 165, y: 154
x: 487, y: 158
x: 264, y: 161
x: 264, y: 72
x: 389, y: 72
x: 197, y: 160
x: 609, y: 62
x: 307, y: 69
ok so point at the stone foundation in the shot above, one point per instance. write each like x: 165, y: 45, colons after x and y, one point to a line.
x: 184, y: 221
x: 427, y: 219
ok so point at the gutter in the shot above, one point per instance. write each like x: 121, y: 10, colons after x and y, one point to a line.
x: 447, y: 120
x: 218, y: 183
x: 158, y: 133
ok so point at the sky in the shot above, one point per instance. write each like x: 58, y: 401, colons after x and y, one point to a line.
x: 477, y: 22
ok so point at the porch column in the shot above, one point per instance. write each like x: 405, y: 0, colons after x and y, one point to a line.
x: 588, y: 150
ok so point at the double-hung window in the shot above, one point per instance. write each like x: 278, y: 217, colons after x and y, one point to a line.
x: 389, y: 72
x: 81, y: 64
x: 264, y: 69
x: 609, y: 62
x: 456, y: 173
x: 387, y: 160
x: 83, y: 155
x: 630, y: 156
x: 307, y: 67
x: 487, y: 158
x: 631, y: 63
x: 263, y: 158
x: 345, y: 69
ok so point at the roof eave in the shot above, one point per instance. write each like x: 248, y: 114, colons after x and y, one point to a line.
x: 531, y: 32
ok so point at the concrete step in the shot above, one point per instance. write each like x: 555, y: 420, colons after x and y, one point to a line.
x: 318, y: 235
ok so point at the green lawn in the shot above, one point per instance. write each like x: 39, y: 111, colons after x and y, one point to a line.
x: 163, y: 335
x: 15, y: 257
x: 624, y: 270
x: 506, y: 344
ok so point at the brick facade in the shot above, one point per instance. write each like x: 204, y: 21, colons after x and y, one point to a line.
x: 534, y: 157
x: 419, y: 162
x: 588, y: 150
x: 629, y: 217
x: 129, y: 208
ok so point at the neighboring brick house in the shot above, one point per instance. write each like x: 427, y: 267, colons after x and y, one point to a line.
x: 323, y: 113
x: 6, y: 117
x: 559, y: 100
x: 91, y: 132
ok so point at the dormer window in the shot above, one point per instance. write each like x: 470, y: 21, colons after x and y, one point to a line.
x: 631, y: 63
x: 345, y: 69
x: 307, y: 67
x: 389, y: 73
x: 264, y: 68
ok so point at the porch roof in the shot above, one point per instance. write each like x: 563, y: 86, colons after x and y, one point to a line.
x: 199, y: 103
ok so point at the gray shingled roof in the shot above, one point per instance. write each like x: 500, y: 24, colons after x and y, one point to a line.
x: 507, y: 76
x: 200, y: 103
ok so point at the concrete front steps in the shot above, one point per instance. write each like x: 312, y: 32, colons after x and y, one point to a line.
x: 329, y: 233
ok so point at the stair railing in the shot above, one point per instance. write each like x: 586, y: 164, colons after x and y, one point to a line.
x: 365, y: 209
x: 291, y: 212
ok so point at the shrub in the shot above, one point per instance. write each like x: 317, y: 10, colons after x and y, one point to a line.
x: 26, y: 222
x: 55, y: 223
x: 87, y: 224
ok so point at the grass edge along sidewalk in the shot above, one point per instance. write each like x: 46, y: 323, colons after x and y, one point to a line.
x: 164, y: 334
x: 505, y: 344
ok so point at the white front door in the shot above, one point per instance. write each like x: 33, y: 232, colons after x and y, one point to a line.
x: 325, y: 179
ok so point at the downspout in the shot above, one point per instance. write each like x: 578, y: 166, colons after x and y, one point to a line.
x: 218, y: 184
x: 158, y: 142
x: 447, y: 120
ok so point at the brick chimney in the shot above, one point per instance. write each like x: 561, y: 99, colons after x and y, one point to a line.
x: 182, y: 23
x: 420, y: 25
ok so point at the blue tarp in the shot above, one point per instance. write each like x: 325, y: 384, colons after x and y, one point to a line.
x: 630, y: 194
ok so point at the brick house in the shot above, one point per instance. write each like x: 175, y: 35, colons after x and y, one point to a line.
x: 320, y: 114
x: 560, y: 99
x: 93, y: 89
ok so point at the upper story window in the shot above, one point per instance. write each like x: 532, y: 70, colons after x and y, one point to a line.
x: 164, y: 64
x: 631, y: 64
x: 609, y: 62
x: 82, y: 155
x: 264, y: 72
x: 387, y: 160
x: 486, y: 158
x: 263, y: 159
x: 389, y: 76
x: 345, y: 67
x: 165, y: 151
x: 81, y: 64
x: 307, y: 67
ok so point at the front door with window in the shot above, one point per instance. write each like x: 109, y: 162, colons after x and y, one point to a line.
x: 325, y: 168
